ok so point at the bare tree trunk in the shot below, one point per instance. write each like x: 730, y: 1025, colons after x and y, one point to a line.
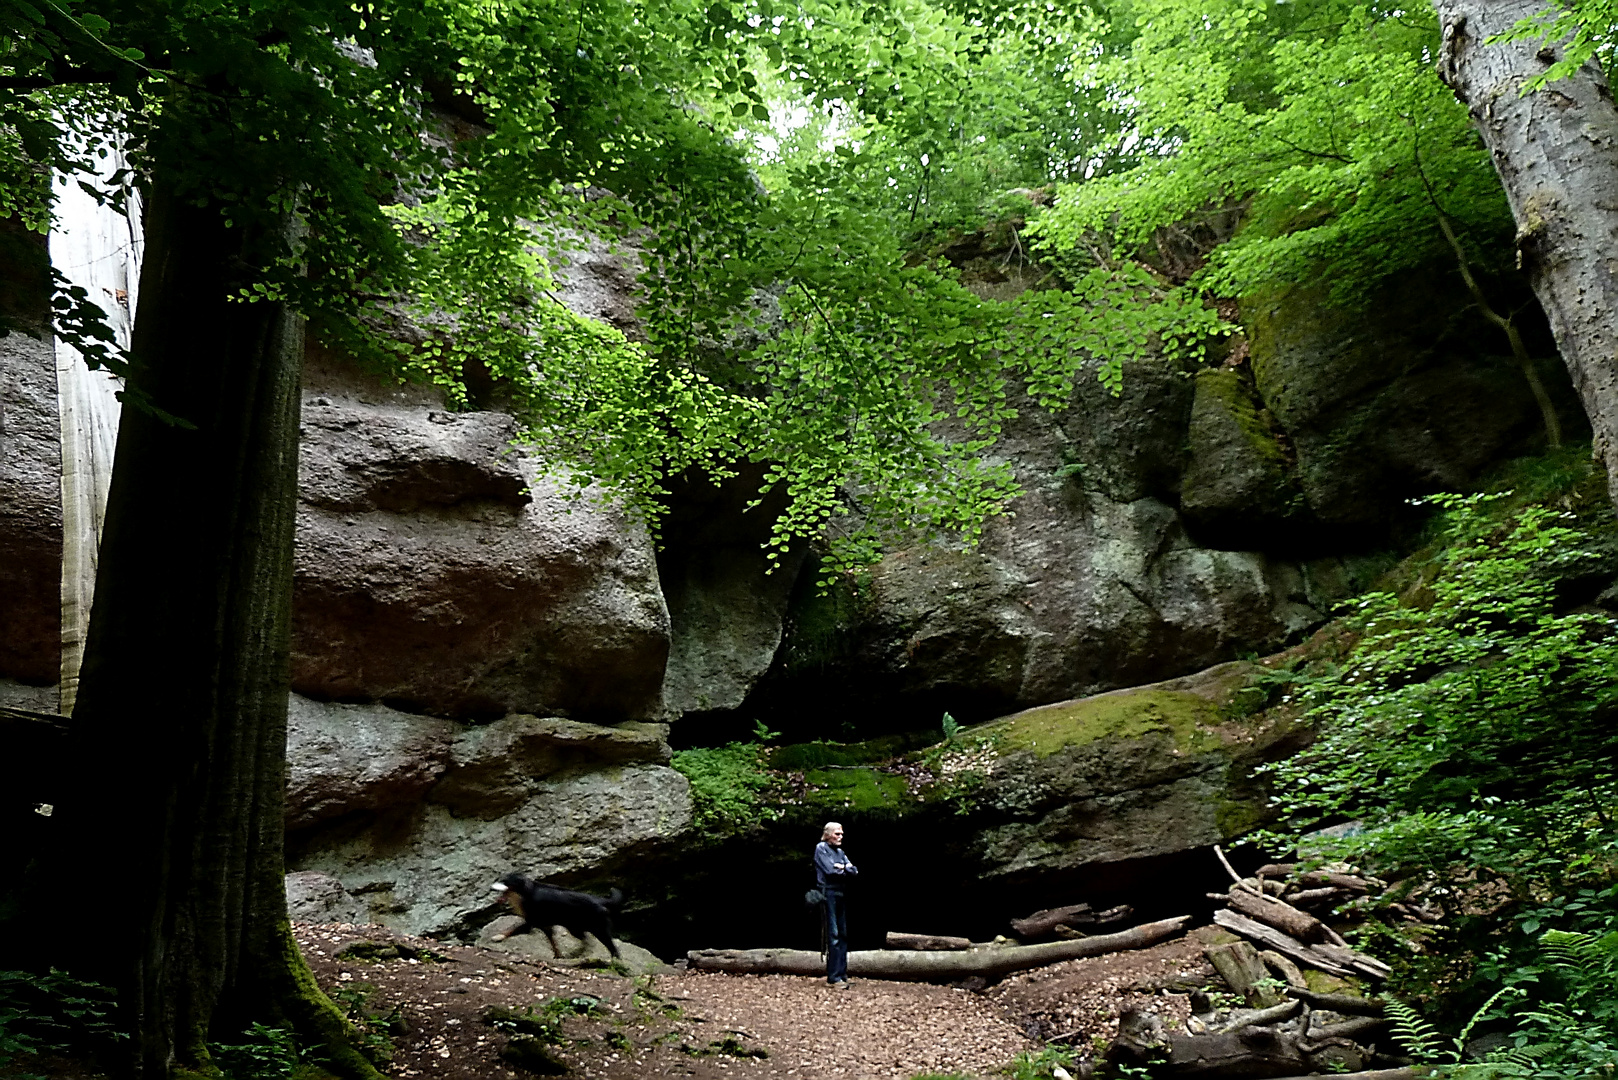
x: 936, y: 966
x: 1556, y: 150
x: 97, y: 247
x: 180, y: 726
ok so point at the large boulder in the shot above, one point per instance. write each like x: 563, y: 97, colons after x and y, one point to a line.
x: 1406, y: 395
x: 1148, y: 771
x: 415, y: 816
x: 1091, y: 583
x: 30, y: 464
x: 727, y: 598
x: 439, y: 571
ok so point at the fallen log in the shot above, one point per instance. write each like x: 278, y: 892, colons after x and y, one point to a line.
x: 1261, y: 1016
x: 942, y: 966
x: 1256, y: 931
x: 926, y: 942
x: 1346, y: 1004
x: 1365, y: 965
x: 1285, y: 968
x: 1279, y: 914
x: 1410, y: 1072
x: 1332, y: 959
x: 1044, y: 923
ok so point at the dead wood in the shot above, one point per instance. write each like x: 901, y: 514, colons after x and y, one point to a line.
x: 1365, y: 965
x: 1355, y: 1029
x: 1251, y: 1052
x: 940, y: 966
x: 1044, y: 923
x: 1262, y: 1016
x: 1341, y: 1003
x: 1284, y: 968
x: 1307, y: 955
x: 1408, y: 1073
x: 1312, y: 897
x: 926, y: 942
x: 1238, y: 964
x: 1279, y: 914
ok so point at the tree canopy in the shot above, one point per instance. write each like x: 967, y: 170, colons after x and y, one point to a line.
x: 405, y: 177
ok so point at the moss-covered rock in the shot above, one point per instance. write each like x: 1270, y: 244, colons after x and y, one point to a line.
x: 1408, y: 393
x: 1238, y: 484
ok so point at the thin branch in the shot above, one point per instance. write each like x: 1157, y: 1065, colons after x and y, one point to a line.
x: 1547, y: 409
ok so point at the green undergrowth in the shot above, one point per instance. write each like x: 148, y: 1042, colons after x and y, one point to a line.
x: 1470, y: 730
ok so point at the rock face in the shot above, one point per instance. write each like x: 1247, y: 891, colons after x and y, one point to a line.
x: 727, y: 602
x: 1412, y: 400
x: 1197, y: 517
x: 30, y: 466
x: 1149, y: 771
x: 438, y: 571
x: 415, y: 816
x: 1095, y: 583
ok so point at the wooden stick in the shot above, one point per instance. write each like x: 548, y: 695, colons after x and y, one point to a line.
x: 1234, y: 876
x: 1342, y: 1003
x: 1262, y: 1016
x: 1281, y: 915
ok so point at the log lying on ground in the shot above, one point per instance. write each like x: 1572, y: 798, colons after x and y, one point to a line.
x: 1332, y: 959
x: 1051, y: 921
x: 1044, y: 923
x: 990, y: 962
x: 926, y: 942
x: 1412, y: 1072
x: 1340, y: 1003
x: 1283, y: 916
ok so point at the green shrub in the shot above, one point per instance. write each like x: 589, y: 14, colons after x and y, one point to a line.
x: 267, y: 1053
x: 54, y: 1013
x: 729, y: 785
x: 1471, y: 729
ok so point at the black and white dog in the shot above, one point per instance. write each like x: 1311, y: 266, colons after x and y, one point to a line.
x: 544, y: 906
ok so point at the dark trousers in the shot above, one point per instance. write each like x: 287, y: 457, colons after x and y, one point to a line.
x: 836, y: 935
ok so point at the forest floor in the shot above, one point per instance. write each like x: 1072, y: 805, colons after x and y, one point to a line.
x: 438, y: 1006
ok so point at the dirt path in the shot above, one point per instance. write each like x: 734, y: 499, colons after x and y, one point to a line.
x: 432, y: 1003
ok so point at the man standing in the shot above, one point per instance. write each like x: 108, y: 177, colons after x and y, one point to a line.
x: 832, y: 870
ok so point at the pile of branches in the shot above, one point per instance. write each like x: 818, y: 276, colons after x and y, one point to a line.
x: 1290, y: 976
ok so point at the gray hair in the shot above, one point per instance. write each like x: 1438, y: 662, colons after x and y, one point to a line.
x: 830, y: 825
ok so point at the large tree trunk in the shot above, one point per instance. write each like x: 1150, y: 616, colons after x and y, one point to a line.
x: 1556, y: 150
x: 176, y: 826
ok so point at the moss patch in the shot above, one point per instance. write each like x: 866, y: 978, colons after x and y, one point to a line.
x: 821, y: 754
x: 857, y: 789
x: 1186, y: 716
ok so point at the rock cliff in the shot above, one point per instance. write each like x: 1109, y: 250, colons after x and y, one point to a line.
x: 487, y: 666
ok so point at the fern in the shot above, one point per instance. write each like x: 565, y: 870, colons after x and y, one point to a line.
x: 1417, y: 1037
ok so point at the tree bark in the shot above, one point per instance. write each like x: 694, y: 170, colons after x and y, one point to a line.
x: 942, y: 966
x: 180, y: 724
x: 1556, y: 150
x: 926, y: 942
x: 1283, y: 916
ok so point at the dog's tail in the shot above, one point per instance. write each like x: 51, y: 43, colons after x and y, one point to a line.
x: 615, y: 899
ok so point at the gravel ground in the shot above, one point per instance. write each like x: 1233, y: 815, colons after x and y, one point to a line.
x: 431, y: 1001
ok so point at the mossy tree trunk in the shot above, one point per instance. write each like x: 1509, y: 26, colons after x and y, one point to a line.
x: 175, y: 824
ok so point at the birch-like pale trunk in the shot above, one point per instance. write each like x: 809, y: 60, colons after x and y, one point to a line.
x: 95, y: 247
x: 1556, y: 150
